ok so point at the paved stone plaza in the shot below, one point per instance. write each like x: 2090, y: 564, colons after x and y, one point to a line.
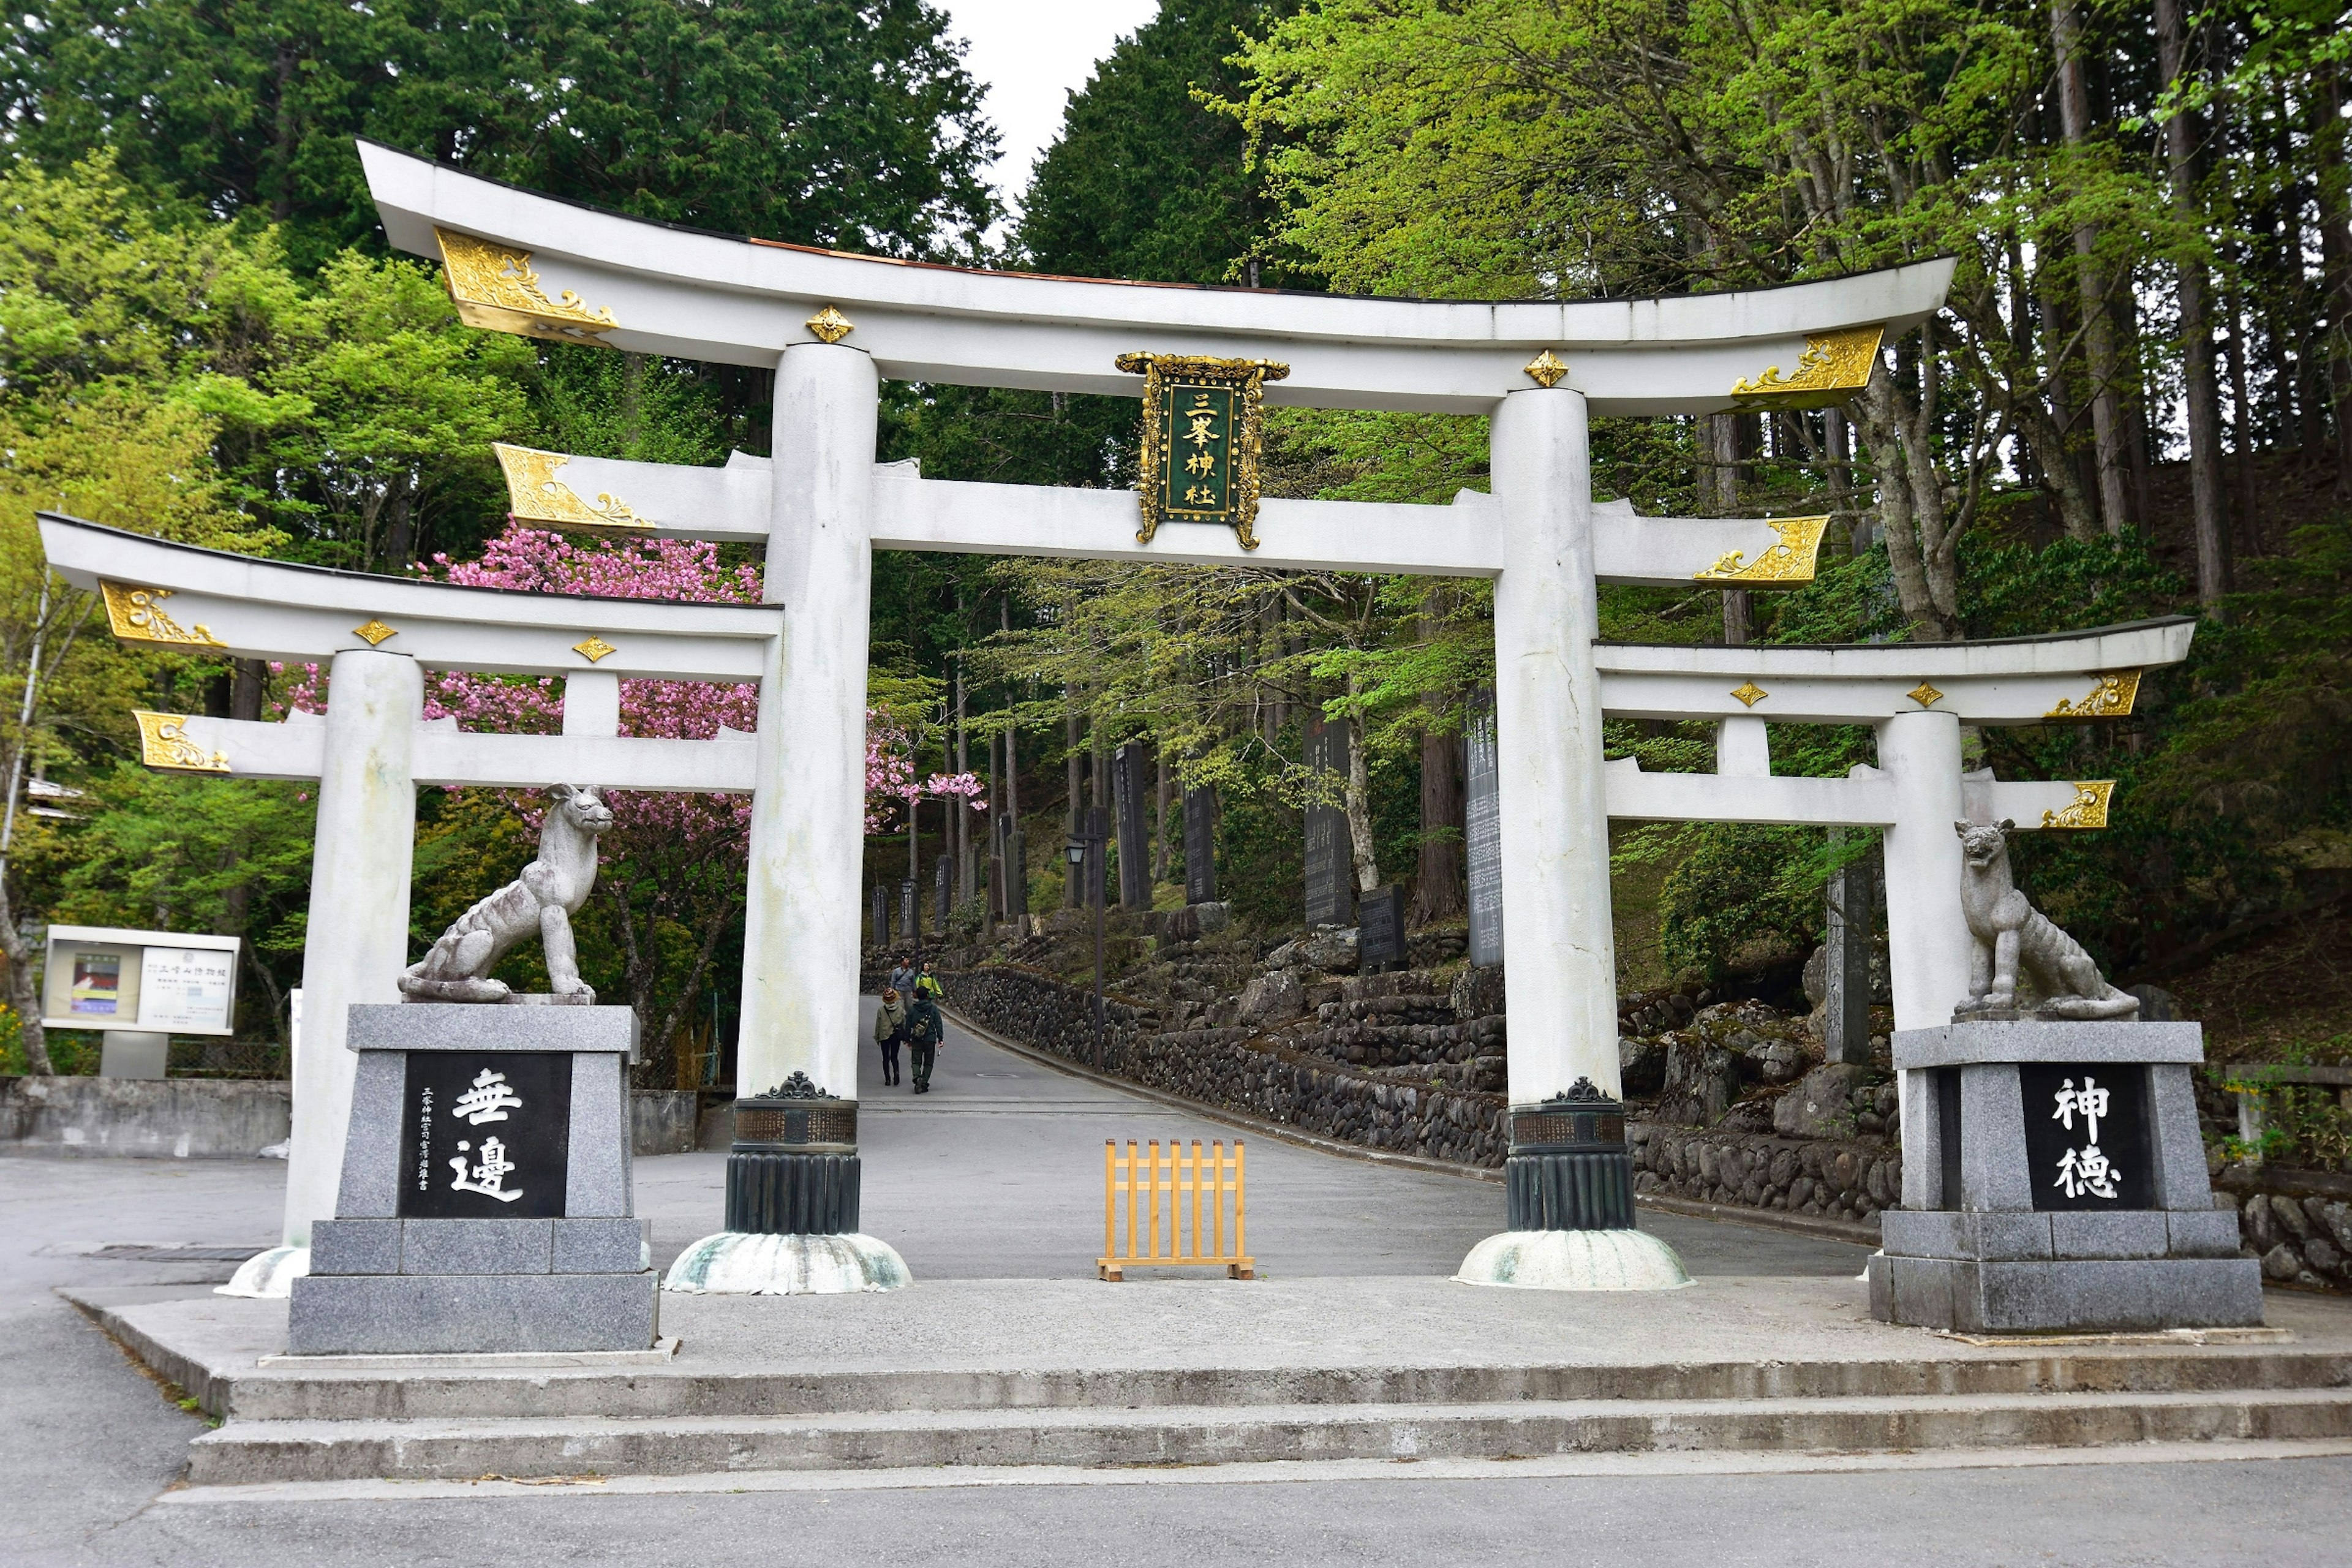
x: 989, y: 1187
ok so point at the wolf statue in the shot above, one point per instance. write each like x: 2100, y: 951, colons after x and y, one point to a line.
x: 2011, y: 935
x: 542, y: 902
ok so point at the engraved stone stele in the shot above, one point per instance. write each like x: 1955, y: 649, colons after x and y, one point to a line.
x: 540, y: 902
x: 2011, y: 940
x: 486, y: 1201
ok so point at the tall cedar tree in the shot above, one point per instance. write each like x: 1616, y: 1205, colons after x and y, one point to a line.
x: 813, y: 120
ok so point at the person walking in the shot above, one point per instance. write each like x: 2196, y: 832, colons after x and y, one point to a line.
x: 927, y: 983
x: 889, y: 1031
x: 902, y: 978
x: 925, y: 1027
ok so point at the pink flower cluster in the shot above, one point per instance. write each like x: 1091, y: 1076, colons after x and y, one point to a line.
x: 541, y: 560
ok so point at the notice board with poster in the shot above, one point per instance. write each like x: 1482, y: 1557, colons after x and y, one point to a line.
x: 171, y: 983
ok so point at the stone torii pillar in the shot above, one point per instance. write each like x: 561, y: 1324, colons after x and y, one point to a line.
x: 792, y: 1217
x: 357, y: 937
x: 1568, y: 1179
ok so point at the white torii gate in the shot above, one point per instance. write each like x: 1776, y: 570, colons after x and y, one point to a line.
x: 834, y: 325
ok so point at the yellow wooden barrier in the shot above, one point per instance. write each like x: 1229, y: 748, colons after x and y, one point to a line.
x: 1157, y: 1185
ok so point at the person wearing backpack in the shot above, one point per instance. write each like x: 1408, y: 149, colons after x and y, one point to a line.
x: 889, y: 1032
x: 925, y: 1028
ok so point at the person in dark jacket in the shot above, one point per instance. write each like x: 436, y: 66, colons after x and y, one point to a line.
x: 889, y: 1032
x: 925, y: 1027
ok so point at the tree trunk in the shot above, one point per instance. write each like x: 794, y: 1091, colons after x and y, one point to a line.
x: 24, y: 988
x: 1159, y: 816
x: 1359, y: 799
x: 1012, y: 752
x: 1723, y: 499
x: 2181, y: 135
x: 1437, y: 882
x: 2098, y: 335
x: 2335, y: 262
x: 2248, y: 536
x: 1073, y: 775
x: 960, y: 807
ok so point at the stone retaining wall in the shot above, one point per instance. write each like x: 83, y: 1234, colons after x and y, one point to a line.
x: 1220, y: 1067
x: 2299, y: 1222
x: 1831, y: 1178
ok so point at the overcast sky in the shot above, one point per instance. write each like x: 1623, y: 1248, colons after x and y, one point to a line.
x: 1031, y: 55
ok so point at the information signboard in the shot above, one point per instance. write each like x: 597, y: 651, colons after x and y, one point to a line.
x: 174, y: 983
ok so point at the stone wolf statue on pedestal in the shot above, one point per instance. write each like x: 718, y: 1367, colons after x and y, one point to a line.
x: 542, y: 902
x: 2012, y: 935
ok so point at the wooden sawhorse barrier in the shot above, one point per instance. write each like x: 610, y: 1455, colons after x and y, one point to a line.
x: 1158, y: 1183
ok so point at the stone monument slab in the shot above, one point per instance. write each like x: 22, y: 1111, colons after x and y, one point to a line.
x: 1330, y: 900
x: 1201, y: 845
x: 1482, y: 820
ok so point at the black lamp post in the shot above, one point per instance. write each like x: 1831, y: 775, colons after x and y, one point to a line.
x: 1085, y: 852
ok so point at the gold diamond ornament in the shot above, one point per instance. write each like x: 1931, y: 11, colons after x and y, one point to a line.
x: 376, y: 632
x: 1547, y: 369
x: 1749, y: 693
x: 829, y: 325
x: 1924, y: 695
x: 593, y: 648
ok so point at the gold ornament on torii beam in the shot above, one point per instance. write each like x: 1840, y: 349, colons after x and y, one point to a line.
x: 2089, y: 807
x: 829, y: 325
x: 2111, y: 697
x: 137, y: 614
x: 1790, y: 559
x: 1834, y: 367
x: 164, y: 744
x: 1546, y: 370
x: 1201, y: 424
x: 535, y: 495
x: 495, y: 289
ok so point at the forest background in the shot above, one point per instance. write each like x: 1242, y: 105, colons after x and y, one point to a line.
x: 2138, y: 402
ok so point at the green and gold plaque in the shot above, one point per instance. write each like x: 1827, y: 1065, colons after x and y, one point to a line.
x: 1201, y: 420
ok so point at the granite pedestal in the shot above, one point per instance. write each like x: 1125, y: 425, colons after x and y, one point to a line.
x: 2053, y: 1181
x: 486, y: 1201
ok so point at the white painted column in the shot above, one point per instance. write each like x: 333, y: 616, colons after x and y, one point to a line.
x: 808, y: 821
x: 1928, y: 940
x: 1558, y: 948
x: 357, y: 941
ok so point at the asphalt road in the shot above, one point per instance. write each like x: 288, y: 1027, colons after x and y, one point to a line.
x: 993, y: 1174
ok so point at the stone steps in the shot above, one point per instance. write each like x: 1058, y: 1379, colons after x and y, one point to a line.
x: 244, y: 1452
x: 678, y: 1391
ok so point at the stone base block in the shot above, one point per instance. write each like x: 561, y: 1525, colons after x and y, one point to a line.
x: 737, y: 1263
x: 2066, y: 1295
x: 776, y: 1192
x: 452, y: 1314
x: 268, y: 1275
x: 1582, y: 1191
x: 1625, y: 1259
x: 599, y: 1245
